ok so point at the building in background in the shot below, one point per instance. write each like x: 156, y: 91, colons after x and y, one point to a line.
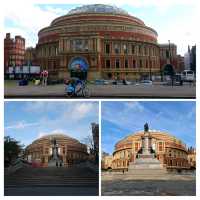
x: 169, y: 150
x: 50, y: 149
x: 14, y: 51
x: 106, y: 162
x: 187, y: 59
x: 193, y: 59
x: 30, y: 57
x: 168, y: 55
x: 98, y: 41
x: 190, y: 59
x: 192, y: 157
x: 180, y: 63
x: 95, y: 135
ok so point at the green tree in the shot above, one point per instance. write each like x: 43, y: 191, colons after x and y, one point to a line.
x: 12, y: 149
x: 169, y: 70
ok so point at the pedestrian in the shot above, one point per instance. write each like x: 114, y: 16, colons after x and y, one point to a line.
x: 56, y: 164
x: 123, y: 171
x: 60, y: 164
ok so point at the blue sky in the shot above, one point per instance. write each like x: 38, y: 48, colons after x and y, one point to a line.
x: 27, y: 121
x: 173, y: 20
x: 120, y: 119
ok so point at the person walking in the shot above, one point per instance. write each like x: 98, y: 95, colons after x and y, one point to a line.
x: 56, y: 164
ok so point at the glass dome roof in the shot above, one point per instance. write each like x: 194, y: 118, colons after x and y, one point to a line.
x: 98, y: 8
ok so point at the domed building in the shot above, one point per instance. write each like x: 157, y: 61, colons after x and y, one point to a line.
x: 59, y: 148
x: 169, y: 150
x: 98, y: 41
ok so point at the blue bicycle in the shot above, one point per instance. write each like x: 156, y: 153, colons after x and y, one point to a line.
x: 76, y: 87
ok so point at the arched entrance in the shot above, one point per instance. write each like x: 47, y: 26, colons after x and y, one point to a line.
x: 78, y: 67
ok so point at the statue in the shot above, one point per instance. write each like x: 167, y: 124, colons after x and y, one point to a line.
x: 54, y: 149
x: 146, y: 127
x: 54, y: 142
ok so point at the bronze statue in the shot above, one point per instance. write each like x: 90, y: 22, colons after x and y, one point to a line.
x: 146, y: 127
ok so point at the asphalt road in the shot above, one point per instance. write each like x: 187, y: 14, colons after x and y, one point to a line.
x: 104, y: 91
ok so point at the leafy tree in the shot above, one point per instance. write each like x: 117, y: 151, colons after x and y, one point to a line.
x: 12, y: 149
x: 169, y: 70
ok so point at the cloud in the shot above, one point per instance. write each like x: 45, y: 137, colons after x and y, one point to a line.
x: 81, y: 110
x: 28, y: 19
x: 56, y: 131
x: 21, y: 125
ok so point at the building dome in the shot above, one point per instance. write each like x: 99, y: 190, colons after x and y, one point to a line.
x: 169, y: 150
x: 58, y: 137
x: 171, y: 140
x: 69, y: 150
x: 98, y: 8
x: 111, y: 42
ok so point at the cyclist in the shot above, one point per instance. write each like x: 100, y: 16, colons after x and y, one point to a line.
x: 74, y: 85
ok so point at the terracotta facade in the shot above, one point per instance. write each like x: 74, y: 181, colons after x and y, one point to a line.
x: 171, y: 152
x: 114, y: 44
x: 70, y: 150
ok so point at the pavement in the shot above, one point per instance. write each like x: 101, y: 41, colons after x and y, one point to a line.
x: 104, y: 91
x: 148, y: 188
x: 170, y: 184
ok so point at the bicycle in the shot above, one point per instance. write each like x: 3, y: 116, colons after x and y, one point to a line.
x: 77, y: 87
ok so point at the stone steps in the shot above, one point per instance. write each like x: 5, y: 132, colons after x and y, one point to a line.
x: 28, y: 177
x: 147, y: 171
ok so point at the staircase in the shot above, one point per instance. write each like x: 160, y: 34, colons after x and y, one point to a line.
x: 53, y: 177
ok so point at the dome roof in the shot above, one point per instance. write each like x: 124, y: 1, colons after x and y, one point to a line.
x: 48, y: 139
x: 160, y: 135
x: 98, y: 8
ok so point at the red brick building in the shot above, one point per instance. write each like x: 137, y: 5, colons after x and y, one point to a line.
x: 101, y: 40
x: 14, y: 51
x: 168, y: 55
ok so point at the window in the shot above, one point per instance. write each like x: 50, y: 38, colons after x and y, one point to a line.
x: 126, y: 63
x: 79, y: 45
x: 107, y: 48
x: 147, y: 64
x: 160, y: 146
x: 133, y: 49
x: 134, y: 64
x: 117, y: 48
x: 125, y: 48
x: 107, y: 63
x: 136, y: 146
x: 140, y: 49
x: 117, y: 63
x: 140, y: 63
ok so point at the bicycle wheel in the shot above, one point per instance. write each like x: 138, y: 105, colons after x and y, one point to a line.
x: 86, y: 92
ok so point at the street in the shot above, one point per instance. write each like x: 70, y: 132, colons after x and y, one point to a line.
x: 103, y: 91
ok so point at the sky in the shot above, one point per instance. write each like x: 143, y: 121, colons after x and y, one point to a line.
x: 174, y: 20
x: 29, y: 120
x: 120, y: 119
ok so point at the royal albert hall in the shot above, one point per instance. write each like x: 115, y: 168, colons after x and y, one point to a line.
x: 169, y: 150
x: 69, y: 150
x: 98, y: 41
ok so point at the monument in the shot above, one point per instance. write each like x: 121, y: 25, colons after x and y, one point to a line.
x: 146, y: 162
x: 55, y: 156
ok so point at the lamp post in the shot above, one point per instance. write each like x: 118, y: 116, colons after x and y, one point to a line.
x: 169, y: 54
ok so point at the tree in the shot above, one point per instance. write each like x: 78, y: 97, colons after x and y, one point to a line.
x: 89, y: 142
x: 169, y: 70
x: 12, y: 149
